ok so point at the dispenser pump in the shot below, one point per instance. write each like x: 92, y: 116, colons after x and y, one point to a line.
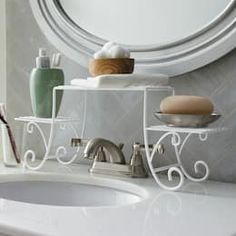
x: 43, y: 61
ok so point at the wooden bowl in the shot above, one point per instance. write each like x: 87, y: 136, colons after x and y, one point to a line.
x: 111, y: 66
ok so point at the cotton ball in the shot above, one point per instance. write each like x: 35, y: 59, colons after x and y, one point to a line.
x: 102, y: 54
x: 117, y: 52
x: 107, y: 46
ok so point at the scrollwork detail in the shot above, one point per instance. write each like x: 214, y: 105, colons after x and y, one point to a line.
x: 62, y: 152
x: 175, y: 140
x: 30, y: 155
x: 203, y: 136
x: 196, y: 165
x: 30, y: 129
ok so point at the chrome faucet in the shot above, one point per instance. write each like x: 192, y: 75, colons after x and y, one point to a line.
x: 93, y: 145
x: 108, y: 158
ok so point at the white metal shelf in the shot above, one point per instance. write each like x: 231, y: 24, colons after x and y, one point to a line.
x: 33, y: 123
x: 46, y: 120
x: 128, y: 89
x: 178, y: 138
x: 166, y: 128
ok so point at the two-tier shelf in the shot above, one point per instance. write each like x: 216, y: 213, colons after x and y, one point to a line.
x: 177, y: 141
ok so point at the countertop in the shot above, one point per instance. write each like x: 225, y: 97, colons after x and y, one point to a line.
x: 208, y: 208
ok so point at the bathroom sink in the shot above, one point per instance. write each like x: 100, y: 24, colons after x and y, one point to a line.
x: 66, y: 194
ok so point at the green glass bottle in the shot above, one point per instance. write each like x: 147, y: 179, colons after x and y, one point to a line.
x: 42, y: 81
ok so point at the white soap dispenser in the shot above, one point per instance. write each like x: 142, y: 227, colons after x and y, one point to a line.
x: 43, y: 79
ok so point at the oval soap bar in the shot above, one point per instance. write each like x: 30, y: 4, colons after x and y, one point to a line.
x: 186, y: 105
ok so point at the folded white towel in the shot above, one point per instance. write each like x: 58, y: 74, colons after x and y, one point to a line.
x: 122, y: 81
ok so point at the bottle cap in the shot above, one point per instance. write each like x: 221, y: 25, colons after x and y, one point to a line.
x: 43, y: 61
x: 42, y: 52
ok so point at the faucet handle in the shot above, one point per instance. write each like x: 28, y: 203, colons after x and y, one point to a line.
x: 78, y: 142
x: 136, y: 162
x: 160, y: 148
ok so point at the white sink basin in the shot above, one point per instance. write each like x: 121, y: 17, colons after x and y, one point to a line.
x: 66, y: 194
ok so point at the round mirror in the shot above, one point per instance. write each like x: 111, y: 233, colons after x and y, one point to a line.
x: 143, y: 22
x: 164, y: 36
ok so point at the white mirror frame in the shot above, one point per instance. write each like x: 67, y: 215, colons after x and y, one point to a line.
x: 199, y: 49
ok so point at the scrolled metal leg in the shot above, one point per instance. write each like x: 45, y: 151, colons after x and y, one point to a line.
x: 197, y: 164
x: 61, y: 151
x: 176, y: 139
x: 30, y: 156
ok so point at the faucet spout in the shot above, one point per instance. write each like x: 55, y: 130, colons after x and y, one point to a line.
x: 116, y: 155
